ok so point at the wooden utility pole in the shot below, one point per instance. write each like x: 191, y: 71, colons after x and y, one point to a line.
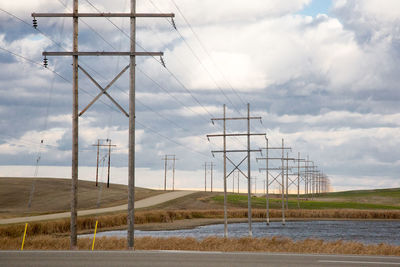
x: 248, y: 134
x: 212, y: 170
x: 283, y: 182
x: 212, y: 165
x: 109, y: 162
x: 109, y: 145
x: 205, y: 176
x: 75, y: 108
x: 238, y: 176
x: 173, y: 173
x: 165, y: 172
x: 97, y: 163
x: 274, y: 178
x: 233, y: 184
x: 166, y: 159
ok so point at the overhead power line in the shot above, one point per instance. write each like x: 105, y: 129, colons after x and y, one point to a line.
x: 109, y: 106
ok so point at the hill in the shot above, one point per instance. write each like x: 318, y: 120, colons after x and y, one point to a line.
x: 53, y: 195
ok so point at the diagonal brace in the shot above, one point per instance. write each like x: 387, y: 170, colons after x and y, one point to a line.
x: 237, y: 167
x: 275, y: 179
x: 103, y: 91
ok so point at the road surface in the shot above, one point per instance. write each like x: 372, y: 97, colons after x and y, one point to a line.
x: 184, y: 258
x: 144, y: 203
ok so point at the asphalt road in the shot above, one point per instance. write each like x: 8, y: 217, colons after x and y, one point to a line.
x: 184, y: 258
x: 144, y: 203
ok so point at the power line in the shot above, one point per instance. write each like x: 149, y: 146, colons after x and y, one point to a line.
x: 111, y: 107
x: 168, y: 70
x: 199, y: 60
x: 101, y: 75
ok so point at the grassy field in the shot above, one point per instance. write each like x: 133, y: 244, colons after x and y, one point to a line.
x: 381, y: 196
x: 274, y: 203
x: 53, y: 195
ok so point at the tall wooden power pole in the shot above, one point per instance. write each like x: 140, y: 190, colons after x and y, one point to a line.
x: 166, y: 159
x: 274, y: 178
x: 75, y: 108
x: 248, y: 134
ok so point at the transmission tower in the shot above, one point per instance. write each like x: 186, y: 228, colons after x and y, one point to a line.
x: 98, y: 145
x: 166, y: 159
x: 75, y: 15
x: 236, y: 166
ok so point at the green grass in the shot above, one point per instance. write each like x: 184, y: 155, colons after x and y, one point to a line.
x: 390, y: 193
x: 258, y: 202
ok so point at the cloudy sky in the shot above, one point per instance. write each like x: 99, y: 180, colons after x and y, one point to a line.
x: 322, y: 74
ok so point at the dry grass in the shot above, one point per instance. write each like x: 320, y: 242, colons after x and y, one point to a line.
x: 62, y: 227
x: 54, y: 195
x: 274, y: 244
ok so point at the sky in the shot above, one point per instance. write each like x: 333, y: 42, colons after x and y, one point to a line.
x: 323, y: 75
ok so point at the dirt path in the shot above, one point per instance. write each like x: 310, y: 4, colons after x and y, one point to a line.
x: 144, y: 203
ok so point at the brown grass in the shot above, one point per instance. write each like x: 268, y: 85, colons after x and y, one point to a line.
x: 274, y: 244
x: 54, y: 195
x: 142, y: 217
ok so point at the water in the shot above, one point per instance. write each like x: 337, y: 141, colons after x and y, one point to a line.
x: 367, y: 232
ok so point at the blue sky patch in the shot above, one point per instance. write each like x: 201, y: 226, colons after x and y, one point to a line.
x: 317, y: 7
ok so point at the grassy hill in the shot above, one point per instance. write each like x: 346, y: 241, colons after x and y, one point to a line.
x: 53, y: 195
x: 389, y: 196
x: 384, y: 199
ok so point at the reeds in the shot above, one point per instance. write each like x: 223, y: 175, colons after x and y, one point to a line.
x: 274, y: 244
x: 160, y: 216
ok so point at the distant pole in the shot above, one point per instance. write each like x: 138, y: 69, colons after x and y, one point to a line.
x: 238, y: 174
x: 283, y: 182
x: 109, y: 161
x: 97, y: 165
x: 307, y: 174
x: 312, y: 182
x: 165, y: 173
x: 298, y: 181
x: 248, y: 170
x: 267, y: 181
x: 173, y: 173
x: 225, y: 196
x: 287, y: 180
x: 205, y: 176
x: 212, y: 165
x: 233, y: 184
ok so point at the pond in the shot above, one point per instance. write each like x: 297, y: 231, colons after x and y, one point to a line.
x: 367, y: 232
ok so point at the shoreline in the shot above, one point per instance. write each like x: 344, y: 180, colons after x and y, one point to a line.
x: 193, y: 223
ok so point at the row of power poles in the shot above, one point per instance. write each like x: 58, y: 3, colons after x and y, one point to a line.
x: 315, y: 181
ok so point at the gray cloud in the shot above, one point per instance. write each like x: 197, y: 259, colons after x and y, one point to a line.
x: 328, y: 85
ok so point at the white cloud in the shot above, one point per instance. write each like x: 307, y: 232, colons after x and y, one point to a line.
x: 345, y: 63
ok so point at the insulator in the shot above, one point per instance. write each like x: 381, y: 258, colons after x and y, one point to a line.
x: 173, y: 23
x: 162, y: 62
x: 35, y: 23
x: 45, y: 62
